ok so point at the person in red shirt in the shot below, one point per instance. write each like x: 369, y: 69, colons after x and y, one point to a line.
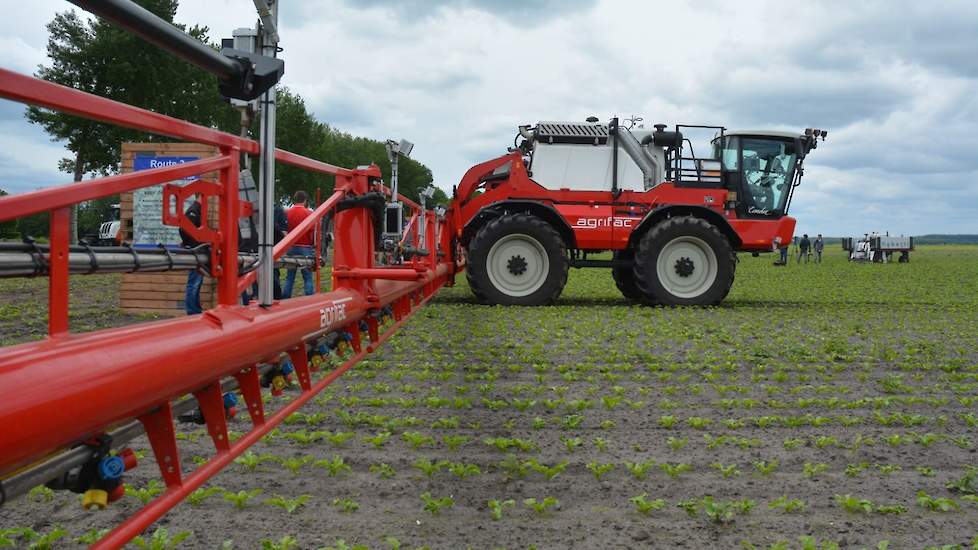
x: 302, y: 247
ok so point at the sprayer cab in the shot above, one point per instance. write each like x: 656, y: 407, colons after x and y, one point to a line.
x: 762, y: 168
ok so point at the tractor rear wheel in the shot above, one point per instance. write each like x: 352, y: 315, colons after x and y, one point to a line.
x: 685, y: 261
x: 625, y: 277
x: 517, y: 259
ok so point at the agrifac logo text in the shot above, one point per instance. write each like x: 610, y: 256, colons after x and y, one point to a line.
x: 332, y: 314
x: 594, y: 223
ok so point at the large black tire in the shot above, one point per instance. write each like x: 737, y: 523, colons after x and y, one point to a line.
x: 474, y: 286
x: 684, y: 261
x: 517, y: 259
x: 625, y: 277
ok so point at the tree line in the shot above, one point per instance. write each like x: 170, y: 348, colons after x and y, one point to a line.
x: 97, y: 57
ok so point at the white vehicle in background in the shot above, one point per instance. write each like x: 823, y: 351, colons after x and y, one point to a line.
x: 873, y: 247
x: 108, y: 231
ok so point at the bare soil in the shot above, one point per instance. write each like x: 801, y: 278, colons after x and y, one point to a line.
x: 785, y: 371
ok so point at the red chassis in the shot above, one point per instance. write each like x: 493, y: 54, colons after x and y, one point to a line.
x: 598, y: 220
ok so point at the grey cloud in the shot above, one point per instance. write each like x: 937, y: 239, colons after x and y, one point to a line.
x: 515, y: 11
x: 806, y: 102
x: 343, y: 113
x: 939, y: 36
x: 895, y: 83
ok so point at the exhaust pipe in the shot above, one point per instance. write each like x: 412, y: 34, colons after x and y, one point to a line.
x: 642, y: 157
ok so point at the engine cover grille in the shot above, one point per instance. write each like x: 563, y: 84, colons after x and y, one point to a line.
x: 572, y: 132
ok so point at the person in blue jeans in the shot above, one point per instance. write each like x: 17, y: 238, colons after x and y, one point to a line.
x: 281, y: 229
x: 191, y: 297
x: 307, y: 279
x: 303, y: 245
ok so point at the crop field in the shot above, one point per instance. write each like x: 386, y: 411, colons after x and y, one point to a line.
x: 820, y: 406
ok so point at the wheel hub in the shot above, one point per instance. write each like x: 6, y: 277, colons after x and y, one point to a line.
x: 516, y: 265
x: 684, y: 267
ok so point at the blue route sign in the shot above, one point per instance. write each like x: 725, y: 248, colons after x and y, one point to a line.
x: 147, y: 204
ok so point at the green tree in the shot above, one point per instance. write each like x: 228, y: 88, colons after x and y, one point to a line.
x: 8, y: 229
x: 298, y: 131
x: 102, y: 59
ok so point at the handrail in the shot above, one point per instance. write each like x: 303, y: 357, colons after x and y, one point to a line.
x: 34, y: 91
x: 310, y: 164
x: 52, y: 198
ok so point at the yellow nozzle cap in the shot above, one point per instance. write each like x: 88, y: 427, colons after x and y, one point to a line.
x: 95, y: 499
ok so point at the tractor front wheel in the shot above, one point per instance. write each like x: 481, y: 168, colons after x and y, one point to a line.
x: 684, y: 261
x: 517, y: 259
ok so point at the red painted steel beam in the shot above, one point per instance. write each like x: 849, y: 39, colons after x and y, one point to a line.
x: 228, y: 214
x: 51, y: 198
x: 112, y: 375
x: 311, y: 164
x: 388, y: 273
x: 58, y: 270
x: 34, y: 91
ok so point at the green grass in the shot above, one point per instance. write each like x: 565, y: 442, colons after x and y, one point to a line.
x: 786, y: 395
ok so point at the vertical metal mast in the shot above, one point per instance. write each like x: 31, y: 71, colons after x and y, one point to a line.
x: 268, y: 12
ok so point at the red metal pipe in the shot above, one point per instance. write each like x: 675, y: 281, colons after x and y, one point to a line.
x: 311, y: 164
x: 43, y: 200
x: 34, y: 91
x: 117, y: 374
x: 388, y: 273
x: 58, y: 281
x: 318, y: 244
x: 228, y: 214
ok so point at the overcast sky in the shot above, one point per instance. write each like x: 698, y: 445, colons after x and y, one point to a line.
x: 895, y: 84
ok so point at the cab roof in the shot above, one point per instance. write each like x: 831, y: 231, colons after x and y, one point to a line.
x: 772, y: 133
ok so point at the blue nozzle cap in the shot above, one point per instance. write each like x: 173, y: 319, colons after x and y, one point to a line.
x: 323, y: 349
x: 363, y: 326
x: 111, y: 468
x: 230, y: 400
x: 286, y: 367
x: 346, y: 336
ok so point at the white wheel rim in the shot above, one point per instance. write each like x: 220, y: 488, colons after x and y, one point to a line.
x: 687, y: 267
x: 517, y: 265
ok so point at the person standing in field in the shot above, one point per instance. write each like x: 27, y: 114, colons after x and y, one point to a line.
x: 818, y: 245
x: 302, y: 246
x: 281, y: 229
x: 191, y: 296
x: 784, y: 254
x: 804, y: 248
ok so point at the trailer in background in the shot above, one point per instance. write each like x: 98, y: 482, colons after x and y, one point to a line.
x: 874, y: 247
